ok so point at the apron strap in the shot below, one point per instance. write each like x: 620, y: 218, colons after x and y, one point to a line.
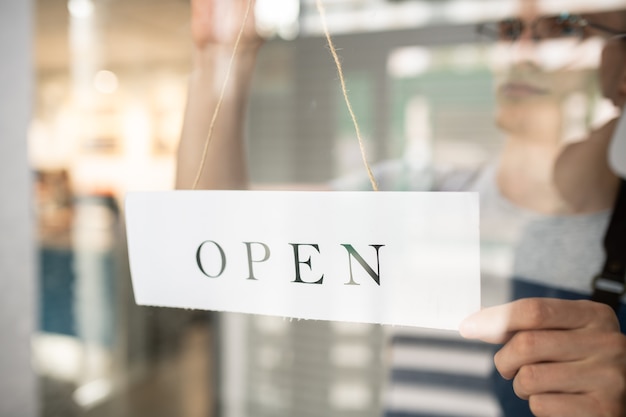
x: 610, y: 284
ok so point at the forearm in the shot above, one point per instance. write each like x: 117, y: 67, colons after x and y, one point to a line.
x: 225, y: 165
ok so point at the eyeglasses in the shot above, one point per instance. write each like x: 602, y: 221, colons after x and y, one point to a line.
x: 563, y: 26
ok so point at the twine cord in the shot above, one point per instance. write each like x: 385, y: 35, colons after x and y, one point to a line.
x: 344, y: 90
x: 220, y: 100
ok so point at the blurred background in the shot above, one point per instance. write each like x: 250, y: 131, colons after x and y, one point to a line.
x: 109, y: 81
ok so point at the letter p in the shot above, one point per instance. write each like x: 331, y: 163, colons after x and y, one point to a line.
x: 265, y: 257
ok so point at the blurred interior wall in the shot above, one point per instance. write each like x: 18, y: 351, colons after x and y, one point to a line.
x: 18, y: 392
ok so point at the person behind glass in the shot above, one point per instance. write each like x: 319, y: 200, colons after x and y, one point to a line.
x: 566, y: 357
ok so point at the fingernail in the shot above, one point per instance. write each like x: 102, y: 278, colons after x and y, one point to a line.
x: 468, y: 328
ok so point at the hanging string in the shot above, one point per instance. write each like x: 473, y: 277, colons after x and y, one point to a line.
x: 220, y: 100
x: 344, y: 90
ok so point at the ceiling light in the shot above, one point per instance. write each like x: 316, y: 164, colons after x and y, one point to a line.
x: 80, y: 9
x: 105, y: 82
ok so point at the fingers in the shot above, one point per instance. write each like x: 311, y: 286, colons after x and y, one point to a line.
x: 582, y: 388
x: 201, y: 21
x: 531, y: 347
x: 219, y: 21
x: 568, y: 358
x: 572, y: 405
x: 542, y: 378
x: 498, y: 324
x: 586, y: 377
x: 566, y: 378
x: 535, y: 347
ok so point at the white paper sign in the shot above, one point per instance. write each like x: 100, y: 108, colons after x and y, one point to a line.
x: 402, y: 258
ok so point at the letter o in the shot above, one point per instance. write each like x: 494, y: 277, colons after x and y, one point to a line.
x: 222, y: 256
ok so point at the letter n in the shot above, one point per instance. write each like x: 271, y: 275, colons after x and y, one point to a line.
x: 352, y: 253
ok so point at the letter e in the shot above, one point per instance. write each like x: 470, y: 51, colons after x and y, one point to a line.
x: 298, y: 262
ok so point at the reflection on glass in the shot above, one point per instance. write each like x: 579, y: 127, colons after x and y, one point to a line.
x: 520, y: 117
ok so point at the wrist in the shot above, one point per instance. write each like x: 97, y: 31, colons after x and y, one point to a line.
x: 212, y: 54
x: 213, y: 59
x: 212, y: 66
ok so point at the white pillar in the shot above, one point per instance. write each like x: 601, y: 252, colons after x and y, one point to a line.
x: 18, y: 393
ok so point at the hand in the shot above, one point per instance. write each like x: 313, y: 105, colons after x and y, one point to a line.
x: 567, y: 358
x: 219, y: 22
